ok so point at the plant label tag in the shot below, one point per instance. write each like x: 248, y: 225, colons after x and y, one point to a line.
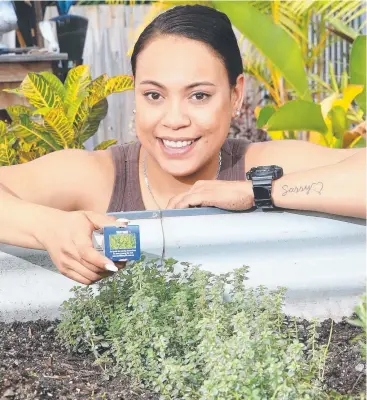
x: 121, y: 243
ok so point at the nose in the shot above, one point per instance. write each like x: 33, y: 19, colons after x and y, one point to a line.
x: 175, y: 116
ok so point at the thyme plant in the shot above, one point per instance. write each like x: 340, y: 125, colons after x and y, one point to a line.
x: 188, y: 334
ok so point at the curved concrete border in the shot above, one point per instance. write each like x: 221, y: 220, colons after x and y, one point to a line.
x: 319, y: 258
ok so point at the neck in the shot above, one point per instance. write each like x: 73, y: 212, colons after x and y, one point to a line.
x: 166, y: 185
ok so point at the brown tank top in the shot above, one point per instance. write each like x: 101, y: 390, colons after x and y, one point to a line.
x: 126, y: 195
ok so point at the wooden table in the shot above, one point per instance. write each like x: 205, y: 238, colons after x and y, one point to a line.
x: 14, y: 68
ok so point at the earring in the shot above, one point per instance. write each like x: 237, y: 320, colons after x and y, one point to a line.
x: 238, y: 113
x: 134, y: 111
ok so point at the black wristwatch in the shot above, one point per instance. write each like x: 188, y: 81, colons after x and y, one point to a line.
x: 262, y: 182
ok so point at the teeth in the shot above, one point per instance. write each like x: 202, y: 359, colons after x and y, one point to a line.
x: 179, y: 143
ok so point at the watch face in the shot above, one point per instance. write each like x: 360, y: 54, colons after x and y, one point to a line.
x: 263, y: 171
x: 270, y: 170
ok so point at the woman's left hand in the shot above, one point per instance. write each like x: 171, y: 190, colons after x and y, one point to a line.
x: 229, y: 195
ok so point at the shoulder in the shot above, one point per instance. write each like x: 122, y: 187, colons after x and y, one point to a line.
x: 236, y: 147
x: 86, y: 174
x: 293, y: 155
x: 123, y: 151
x: 64, y: 179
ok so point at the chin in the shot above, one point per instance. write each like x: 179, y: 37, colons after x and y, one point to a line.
x: 178, y: 169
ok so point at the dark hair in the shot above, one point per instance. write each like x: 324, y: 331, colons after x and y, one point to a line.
x: 196, y: 22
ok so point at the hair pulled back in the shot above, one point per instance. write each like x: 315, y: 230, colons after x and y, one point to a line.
x: 200, y: 23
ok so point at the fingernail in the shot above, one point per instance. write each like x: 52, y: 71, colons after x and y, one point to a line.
x: 111, y: 267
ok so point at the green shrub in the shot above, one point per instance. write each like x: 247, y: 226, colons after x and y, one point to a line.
x: 361, y: 321
x: 188, y: 334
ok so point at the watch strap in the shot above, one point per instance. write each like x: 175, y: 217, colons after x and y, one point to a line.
x: 262, y: 193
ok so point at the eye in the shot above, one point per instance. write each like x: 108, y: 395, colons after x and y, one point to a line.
x: 152, y: 96
x: 200, y: 96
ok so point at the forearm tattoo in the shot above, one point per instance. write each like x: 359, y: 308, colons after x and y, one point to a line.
x: 314, y: 187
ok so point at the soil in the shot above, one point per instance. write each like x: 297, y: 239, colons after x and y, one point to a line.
x: 34, y: 366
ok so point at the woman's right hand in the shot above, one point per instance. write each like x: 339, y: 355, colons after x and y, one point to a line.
x: 67, y: 237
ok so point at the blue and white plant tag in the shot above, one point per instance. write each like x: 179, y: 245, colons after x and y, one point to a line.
x: 119, y: 243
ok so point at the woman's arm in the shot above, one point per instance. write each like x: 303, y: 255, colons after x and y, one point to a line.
x: 65, y: 180
x: 336, y: 189
x: 294, y: 155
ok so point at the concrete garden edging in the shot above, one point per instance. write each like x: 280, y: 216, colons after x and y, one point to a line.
x: 321, y: 259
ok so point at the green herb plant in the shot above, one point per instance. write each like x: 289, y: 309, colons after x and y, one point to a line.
x: 188, y: 334
x: 361, y: 321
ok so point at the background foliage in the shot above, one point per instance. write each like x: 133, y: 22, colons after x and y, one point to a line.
x: 59, y: 116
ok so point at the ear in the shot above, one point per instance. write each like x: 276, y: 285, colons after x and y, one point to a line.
x: 238, y: 94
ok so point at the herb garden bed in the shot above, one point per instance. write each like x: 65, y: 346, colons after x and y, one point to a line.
x: 178, y: 334
x: 189, y: 332
x: 34, y: 366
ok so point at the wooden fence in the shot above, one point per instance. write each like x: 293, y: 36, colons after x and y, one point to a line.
x: 107, y: 43
x: 108, y: 40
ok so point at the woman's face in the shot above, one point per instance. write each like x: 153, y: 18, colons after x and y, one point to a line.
x: 184, y: 103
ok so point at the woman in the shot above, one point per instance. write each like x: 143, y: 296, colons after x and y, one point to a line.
x: 189, y: 84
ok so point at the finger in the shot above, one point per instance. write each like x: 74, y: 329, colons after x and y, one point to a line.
x: 172, y: 204
x: 192, y: 200
x: 198, y: 188
x: 97, y: 270
x: 71, y: 250
x: 101, y: 220
x: 77, y: 271
x: 118, y: 264
x: 75, y: 276
x: 91, y: 256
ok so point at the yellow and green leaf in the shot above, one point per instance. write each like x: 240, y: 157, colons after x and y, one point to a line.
x: 29, y: 131
x: 339, y: 124
x: 17, y: 110
x: 105, y: 144
x: 264, y: 115
x: 7, y: 154
x: 297, y: 115
x: 81, y: 115
x: 90, y: 124
x: 96, y: 89
x: 349, y: 94
x: 118, y: 83
x: 16, y: 91
x: 55, y: 83
x: 76, y: 83
x: 39, y: 92
x: 75, y: 106
x: 358, y: 68
x: 57, y: 123
x: 3, y: 128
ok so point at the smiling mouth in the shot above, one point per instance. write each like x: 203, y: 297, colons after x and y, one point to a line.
x: 177, y: 144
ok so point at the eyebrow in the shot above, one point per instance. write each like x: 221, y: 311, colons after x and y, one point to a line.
x: 192, y: 85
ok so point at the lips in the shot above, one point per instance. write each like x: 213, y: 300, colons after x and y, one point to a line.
x: 178, y: 146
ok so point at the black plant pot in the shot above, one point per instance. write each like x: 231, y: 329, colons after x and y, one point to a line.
x: 71, y: 34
